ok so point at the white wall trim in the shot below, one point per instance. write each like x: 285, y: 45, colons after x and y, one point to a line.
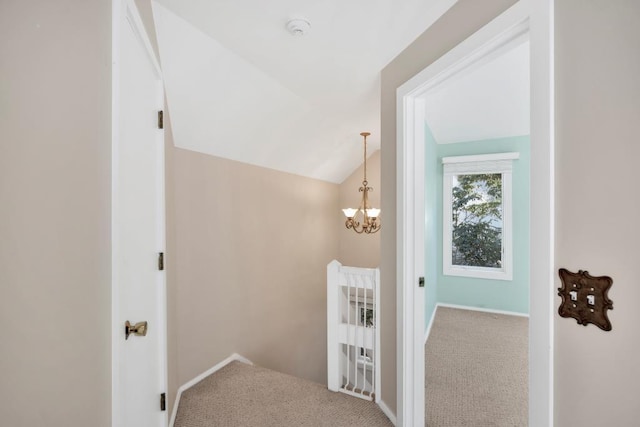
x: 385, y: 409
x: 482, y: 309
x: 473, y: 51
x: 430, y: 324
x: 410, y: 298
x: 481, y: 158
x: 542, y: 277
x: 196, y: 380
x: 466, y: 307
x: 536, y: 17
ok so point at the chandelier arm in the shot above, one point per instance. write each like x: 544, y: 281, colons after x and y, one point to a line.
x: 357, y: 228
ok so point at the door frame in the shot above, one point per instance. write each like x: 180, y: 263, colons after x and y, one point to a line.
x: 127, y: 9
x: 537, y: 16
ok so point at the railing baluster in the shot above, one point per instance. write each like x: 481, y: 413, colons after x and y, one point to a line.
x: 356, y: 372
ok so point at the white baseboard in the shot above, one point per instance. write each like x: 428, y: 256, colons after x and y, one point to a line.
x: 428, y: 331
x: 387, y: 412
x: 466, y: 307
x: 485, y: 310
x: 196, y: 380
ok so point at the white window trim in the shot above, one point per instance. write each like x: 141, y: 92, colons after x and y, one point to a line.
x: 469, y: 165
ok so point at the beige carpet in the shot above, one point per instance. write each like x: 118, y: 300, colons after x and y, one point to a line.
x: 242, y: 395
x: 476, y: 370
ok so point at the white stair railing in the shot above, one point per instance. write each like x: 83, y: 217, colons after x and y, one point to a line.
x: 353, y: 332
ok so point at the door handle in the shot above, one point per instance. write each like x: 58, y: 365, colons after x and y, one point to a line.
x: 139, y: 329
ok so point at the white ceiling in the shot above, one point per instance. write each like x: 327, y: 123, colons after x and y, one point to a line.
x: 490, y: 100
x: 240, y: 86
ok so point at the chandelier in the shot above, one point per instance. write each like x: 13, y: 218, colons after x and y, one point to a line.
x: 364, y: 219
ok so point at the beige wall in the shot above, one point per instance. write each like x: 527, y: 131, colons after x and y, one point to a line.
x: 597, y: 89
x: 462, y: 20
x: 254, y: 239
x: 55, y: 211
x: 252, y: 246
x: 357, y: 253
x: 55, y: 182
x: 360, y: 250
x: 55, y: 246
x: 597, y: 203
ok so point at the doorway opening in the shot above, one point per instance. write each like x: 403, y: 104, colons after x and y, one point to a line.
x: 534, y: 18
x: 477, y: 158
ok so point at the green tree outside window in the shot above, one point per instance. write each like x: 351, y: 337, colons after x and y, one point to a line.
x: 477, y: 220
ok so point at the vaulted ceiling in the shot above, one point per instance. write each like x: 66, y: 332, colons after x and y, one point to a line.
x: 240, y: 86
x: 489, y: 100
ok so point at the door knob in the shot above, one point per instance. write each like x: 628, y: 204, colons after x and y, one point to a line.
x: 139, y: 329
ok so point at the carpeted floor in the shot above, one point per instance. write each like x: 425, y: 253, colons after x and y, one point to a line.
x: 241, y: 395
x: 476, y: 376
x: 476, y: 368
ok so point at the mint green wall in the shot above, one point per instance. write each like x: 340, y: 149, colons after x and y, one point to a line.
x: 505, y: 295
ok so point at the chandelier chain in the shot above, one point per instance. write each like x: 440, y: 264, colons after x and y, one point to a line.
x: 365, y: 182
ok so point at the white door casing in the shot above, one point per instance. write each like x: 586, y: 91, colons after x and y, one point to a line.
x: 537, y: 18
x: 138, y: 286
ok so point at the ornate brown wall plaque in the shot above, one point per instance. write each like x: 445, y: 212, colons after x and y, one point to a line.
x: 584, y: 297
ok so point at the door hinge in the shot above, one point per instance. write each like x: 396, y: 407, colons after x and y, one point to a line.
x: 160, y: 119
x: 163, y: 402
x: 421, y: 282
x: 161, y: 261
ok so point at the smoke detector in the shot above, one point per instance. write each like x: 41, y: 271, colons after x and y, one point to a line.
x: 298, y: 27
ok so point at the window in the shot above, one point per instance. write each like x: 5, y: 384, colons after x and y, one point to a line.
x: 477, y: 222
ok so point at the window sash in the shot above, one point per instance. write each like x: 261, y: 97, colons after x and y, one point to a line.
x: 501, y: 163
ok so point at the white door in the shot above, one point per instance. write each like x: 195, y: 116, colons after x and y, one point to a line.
x: 139, y: 362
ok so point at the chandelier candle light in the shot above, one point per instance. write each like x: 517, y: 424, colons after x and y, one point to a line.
x: 369, y: 216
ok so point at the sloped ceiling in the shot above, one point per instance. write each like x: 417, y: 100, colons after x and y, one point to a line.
x: 488, y: 101
x: 240, y: 86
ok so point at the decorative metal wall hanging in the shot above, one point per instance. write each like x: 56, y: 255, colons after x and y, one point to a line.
x: 584, y: 297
